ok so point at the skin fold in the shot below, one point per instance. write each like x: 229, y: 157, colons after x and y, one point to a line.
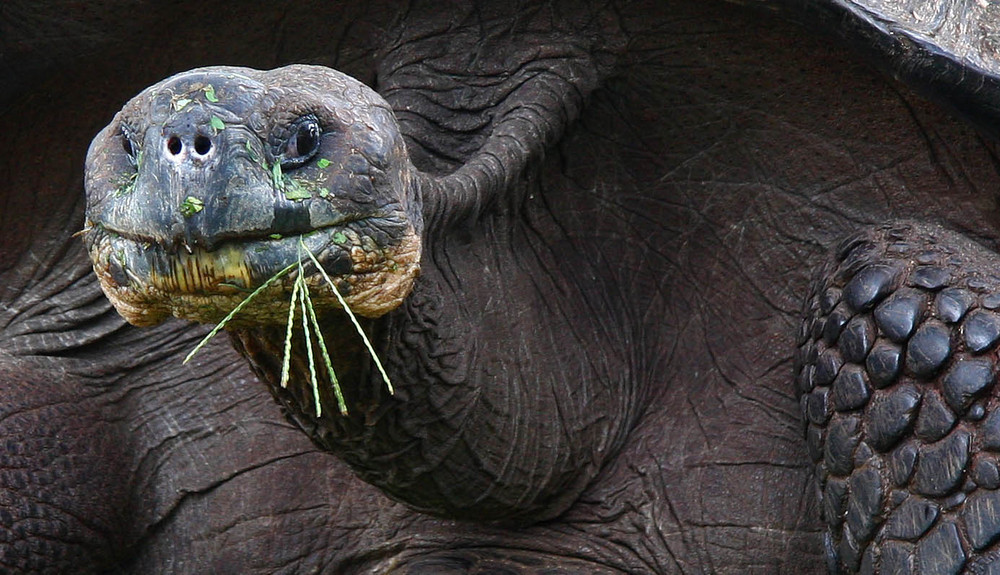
x: 640, y: 258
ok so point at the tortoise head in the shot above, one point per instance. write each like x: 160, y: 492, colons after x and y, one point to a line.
x: 209, y: 183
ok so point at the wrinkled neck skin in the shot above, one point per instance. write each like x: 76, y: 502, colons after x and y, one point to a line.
x: 514, y: 440
x: 514, y: 373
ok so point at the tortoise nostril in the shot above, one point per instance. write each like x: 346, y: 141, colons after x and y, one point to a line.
x: 202, y: 145
x: 174, y: 145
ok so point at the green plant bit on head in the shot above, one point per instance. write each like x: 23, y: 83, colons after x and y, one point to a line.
x: 323, y: 163
x: 276, y: 178
x: 217, y: 123
x: 210, y: 93
x: 254, y: 156
x: 179, y: 104
x: 294, y: 191
x: 126, y: 185
x: 191, y: 206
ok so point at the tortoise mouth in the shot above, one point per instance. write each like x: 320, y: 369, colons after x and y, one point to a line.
x: 148, y: 282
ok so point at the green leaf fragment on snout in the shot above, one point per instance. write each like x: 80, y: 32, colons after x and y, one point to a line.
x: 323, y: 163
x: 296, y: 194
x: 254, y: 156
x: 179, y: 104
x: 210, y: 93
x: 217, y: 123
x: 294, y: 191
x: 276, y: 179
x: 191, y: 206
x: 126, y: 184
x: 340, y: 238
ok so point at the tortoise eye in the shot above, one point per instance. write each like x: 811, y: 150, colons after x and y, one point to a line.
x: 302, y: 143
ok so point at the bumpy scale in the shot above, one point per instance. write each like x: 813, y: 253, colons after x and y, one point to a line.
x: 896, y: 373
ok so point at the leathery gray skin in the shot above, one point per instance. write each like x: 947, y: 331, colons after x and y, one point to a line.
x: 618, y: 270
x: 210, y: 138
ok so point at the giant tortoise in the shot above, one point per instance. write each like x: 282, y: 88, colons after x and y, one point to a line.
x: 636, y: 287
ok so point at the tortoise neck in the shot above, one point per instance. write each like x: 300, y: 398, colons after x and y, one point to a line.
x: 444, y: 442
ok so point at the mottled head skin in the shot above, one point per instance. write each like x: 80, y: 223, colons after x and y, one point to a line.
x: 188, y: 207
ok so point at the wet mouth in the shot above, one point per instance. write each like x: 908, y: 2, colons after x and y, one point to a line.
x: 233, y: 265
x: 147, y: 281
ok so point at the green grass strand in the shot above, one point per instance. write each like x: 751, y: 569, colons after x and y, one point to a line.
x: 218, y: 327
x: 287, y: 350
x: 341, y: 404
x: 305, y: 333
x: 354, y: 319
